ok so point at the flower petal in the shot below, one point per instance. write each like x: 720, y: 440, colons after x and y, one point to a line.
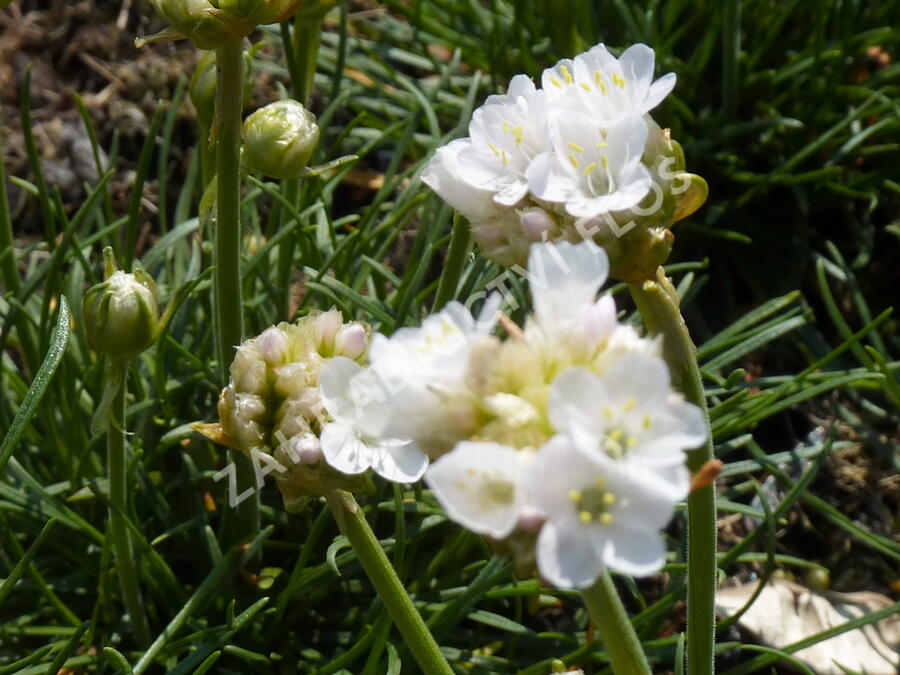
x: 399, y: 461
x: 477, y: 484
x: 567, y: 558
x: 343, y: 449
x: 563, y: 277
x: 637, y: 554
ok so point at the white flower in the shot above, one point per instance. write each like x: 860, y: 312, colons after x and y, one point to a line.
x: 478, y: 486
x: 443, y: 175
x: 564, y: 279
x: 592, y: 169
x: 607, y: 87
x: 356, y: 439
x: 419, y: 370
x: 601, y: 513
x: 630, y: 413
x: 507, y: 132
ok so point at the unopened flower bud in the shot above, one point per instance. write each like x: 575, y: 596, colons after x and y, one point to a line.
x: 272, y: 345
x: 279, y: 139
x: 325, y: 330
x: 531, y: 520
x: 307, y: 449
x: 121, y: 314
x: 211, y: 23
x: 351, y: 341
x: 538, y: 225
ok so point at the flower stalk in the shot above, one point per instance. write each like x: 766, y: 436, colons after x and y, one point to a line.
x: 116, y: 377
x: 353, y: 524
x: 622, y: 644
x: 227, y: 300
x: 657, y: 302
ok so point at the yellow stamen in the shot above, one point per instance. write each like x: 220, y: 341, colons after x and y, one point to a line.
x: 567, y: 76
x: 555, y: 81
x: 575, y: 496
x: 575, y: 146
x: 602, y: 144
x: 600, y: 483
x: 598, y: 78
x: 585, y: 86
x: 589, y: 168
x: 629, y: 404
x: 604, y: 161
x: 607, y: 413
x: 616, y: 435
x: 586, y: 517
x: 645, y: 422
x: 631, y: 442
x: 609, y: 498
x: 606, y: 518
x: 574, y: 160
x: 617, y: 80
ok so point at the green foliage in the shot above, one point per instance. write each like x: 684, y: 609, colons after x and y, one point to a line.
x: 782, y: 108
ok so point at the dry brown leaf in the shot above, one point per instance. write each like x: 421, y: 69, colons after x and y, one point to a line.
x: 786, y: 612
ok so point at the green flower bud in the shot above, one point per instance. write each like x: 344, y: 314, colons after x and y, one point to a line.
x: 279, y: 139
x: 212, y: 23
x: 121, y: 314
x: 199, y: 21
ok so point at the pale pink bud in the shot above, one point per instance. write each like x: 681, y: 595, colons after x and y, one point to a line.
x: 272, y: 345
x: 351, y: 341
x: 537, y: 224
x: 531, y: 520
x: 306, y: 449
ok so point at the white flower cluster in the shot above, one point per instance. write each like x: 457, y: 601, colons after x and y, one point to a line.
x: 574, y: 159
x: 272, y: 408
x: 565, y: 439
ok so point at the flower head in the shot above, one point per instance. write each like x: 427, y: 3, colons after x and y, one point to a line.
x: 273, y: 406
x: 579, y: 158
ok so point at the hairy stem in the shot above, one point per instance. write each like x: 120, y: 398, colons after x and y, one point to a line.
x: 626, y: 656
x: 227, y: 301
x: 657, y: 302
x: 353, y: 524
x: 118, y: 498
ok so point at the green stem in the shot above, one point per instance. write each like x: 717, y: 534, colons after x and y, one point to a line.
x: 286, y: 249
x: 207, y: 153
x: 305, y: 47
x: 657, y: 302
x: 353, y: 524
x: 626, y: 656
x: 456, y: 258
x: 118, y: 498
x: 227, y: 301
